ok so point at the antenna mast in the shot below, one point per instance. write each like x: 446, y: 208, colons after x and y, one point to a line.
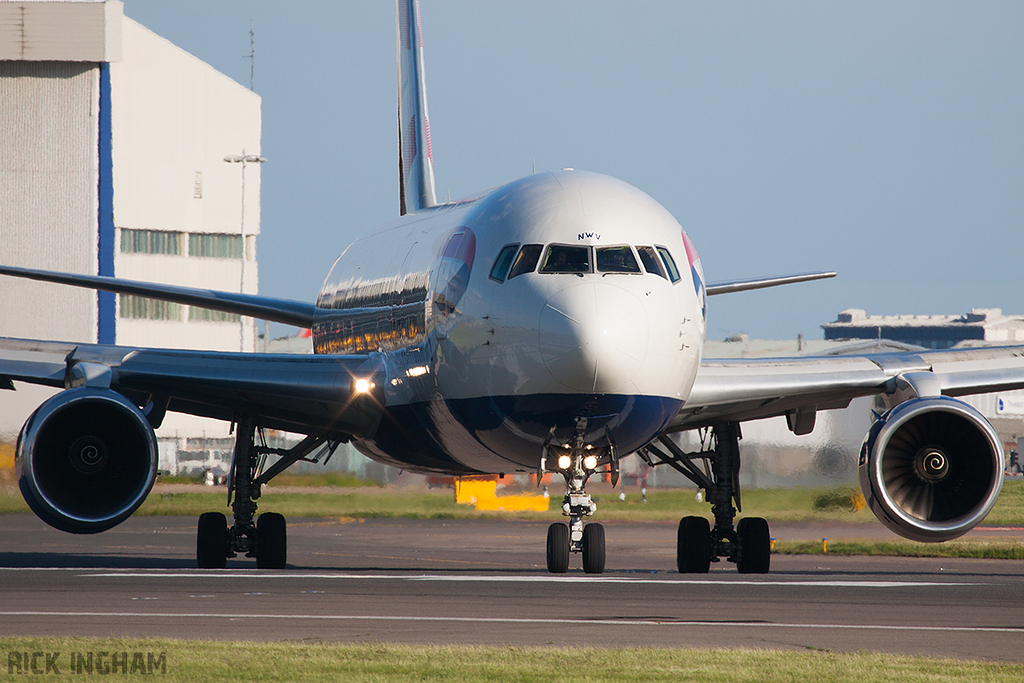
x: 252, y: 56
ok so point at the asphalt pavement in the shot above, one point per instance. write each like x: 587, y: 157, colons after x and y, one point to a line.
x: 484, y: 582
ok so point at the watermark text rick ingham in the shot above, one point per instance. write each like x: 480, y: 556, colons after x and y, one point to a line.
x: 101, y: 662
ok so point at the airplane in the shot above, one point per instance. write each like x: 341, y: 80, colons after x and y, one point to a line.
x: 555, y: 324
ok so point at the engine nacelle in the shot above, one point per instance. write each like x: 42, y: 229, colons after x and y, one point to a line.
x: 86, y: 459
x: 931, y: 468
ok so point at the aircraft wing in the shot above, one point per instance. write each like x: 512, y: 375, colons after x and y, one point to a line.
x: 736, y: 390
x: 297, y: 313
x: 730, y: 286
x: 299, y: 393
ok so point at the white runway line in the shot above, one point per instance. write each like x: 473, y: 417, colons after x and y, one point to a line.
x: 542, y: 578
x: 520, y: 620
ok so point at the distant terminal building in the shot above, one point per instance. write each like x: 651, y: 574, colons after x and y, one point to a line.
x: 123, y: 155
x: 981, y: 325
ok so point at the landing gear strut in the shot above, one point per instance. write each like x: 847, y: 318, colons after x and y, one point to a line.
x: 265, y: 537
x: 576, y: 464
x: 748, y: 544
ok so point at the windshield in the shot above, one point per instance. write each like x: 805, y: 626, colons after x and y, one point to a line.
x: 616, y: 260
x: 561, y: 258
x: 526, y: 261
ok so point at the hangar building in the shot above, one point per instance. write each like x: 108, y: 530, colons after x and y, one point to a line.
x: 114, y: 160
x: 981, y: 325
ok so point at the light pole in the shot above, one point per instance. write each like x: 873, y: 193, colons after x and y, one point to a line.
x: 243, y: 159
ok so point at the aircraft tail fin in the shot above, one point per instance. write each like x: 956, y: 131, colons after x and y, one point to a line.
x: 415, y: 162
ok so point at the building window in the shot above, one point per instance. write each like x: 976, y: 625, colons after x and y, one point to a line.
x: 197, y: 314
x: 143, y: 308
x: 214, y: 245
x: 150, y: 242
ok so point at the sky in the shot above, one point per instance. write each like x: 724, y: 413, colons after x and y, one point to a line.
x: 882, y: 140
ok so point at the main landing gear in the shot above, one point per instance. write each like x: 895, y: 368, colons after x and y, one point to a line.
x: 264, y: 537
x: 576, y: 464
x: 748, y: 544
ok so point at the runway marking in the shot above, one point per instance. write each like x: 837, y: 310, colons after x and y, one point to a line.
x: 418, y: 559
x: 668, y: 580
x: 519, y: 620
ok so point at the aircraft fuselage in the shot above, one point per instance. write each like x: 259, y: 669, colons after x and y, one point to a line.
x: 560, y: 304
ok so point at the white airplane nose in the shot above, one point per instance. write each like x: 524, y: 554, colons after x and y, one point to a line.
x: 593, y: 337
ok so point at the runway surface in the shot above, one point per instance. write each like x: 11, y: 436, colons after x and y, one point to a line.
x: 484, y: 582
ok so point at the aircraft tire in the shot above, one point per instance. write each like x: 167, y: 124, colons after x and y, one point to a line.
x: 593, y: 549
x: 755, y: 543
x: 212, y: 541
x: 693, y: 546
x: 271, y: 541
x: 558, y: 548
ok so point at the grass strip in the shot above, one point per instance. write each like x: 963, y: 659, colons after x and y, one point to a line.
x: 776, y: 504
x: 991, y: 550
x: 180, y: 660
x: 666, y: 505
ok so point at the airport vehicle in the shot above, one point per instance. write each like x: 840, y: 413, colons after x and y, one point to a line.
x: 554, y: 324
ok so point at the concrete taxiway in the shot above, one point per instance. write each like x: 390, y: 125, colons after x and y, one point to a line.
x: 445, y: 581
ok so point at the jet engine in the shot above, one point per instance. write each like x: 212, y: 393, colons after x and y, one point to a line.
x: 86, y: 459
x: 931, y: 468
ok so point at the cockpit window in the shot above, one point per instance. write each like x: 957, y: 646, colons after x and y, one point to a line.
x: 670, y: 264
x: 649, y: 258
x: 561, y: 258
x: 578, y: 259
x: 503, y: 261
x: 526, y: 261
x: 616, y: 260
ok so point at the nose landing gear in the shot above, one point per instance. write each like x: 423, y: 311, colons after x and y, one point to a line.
x: 576, y: 463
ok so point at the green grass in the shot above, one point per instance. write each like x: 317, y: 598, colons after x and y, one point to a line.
x: 316, y: 661
x: 775, y: 504
x: 341, y: 479
x: 345, y: 503
x: 1009, y: 509
x: 992, y: 550
x: 793, y: 504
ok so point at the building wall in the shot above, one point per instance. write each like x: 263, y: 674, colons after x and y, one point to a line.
x: 82, y: 31
x: 175, y: 118
x: 928, y: 331
x: 48, y: 212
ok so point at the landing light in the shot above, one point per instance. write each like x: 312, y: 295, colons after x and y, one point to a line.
x: 564, y: 462
x: 590, y: 462
x: 417, y: 371
x: 363, y: 386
